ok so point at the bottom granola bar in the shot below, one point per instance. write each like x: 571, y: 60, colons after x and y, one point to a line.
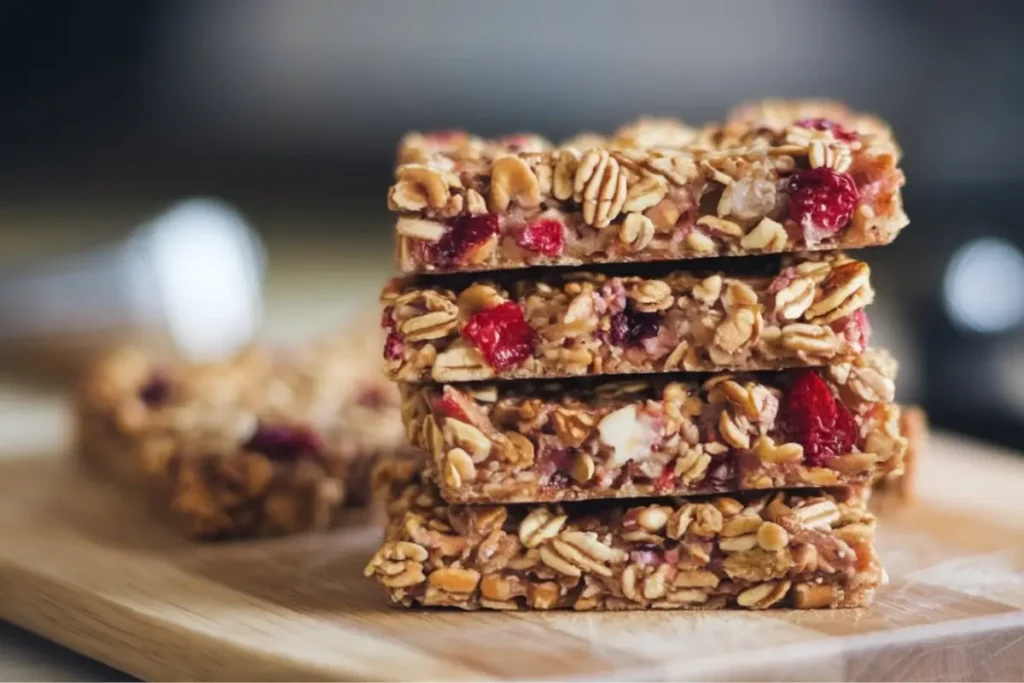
x: 265, y: 444
x: 811, y: 549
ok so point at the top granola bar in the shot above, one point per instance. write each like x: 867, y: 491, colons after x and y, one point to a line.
x: 765, y: 181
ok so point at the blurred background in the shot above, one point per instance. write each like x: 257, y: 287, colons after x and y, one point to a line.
x: 110, y: 112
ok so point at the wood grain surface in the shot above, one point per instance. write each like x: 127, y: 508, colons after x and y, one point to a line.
x: 82, y: 565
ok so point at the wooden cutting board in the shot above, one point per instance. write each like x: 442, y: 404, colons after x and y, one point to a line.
x: 81, y: 565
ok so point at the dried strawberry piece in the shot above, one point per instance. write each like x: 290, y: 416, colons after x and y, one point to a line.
x: 545, y: 236
x: 821, y: 199
x: 502, y: 334
x: 386, y: 321
x: 812, y: 417
x: 284, y: 443
x: 394, y: 347
x: 156, y: 391
x: 839, y: 131
x: 465, y: 232
x: 630, y: 327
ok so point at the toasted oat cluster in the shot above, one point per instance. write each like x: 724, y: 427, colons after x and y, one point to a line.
x: 268, y: 443
x: 807, y: 549
x: 775, y: 177
x: 800, y: 313
x: 659, y: 436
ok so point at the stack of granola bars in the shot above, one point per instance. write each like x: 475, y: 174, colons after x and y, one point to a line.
x: 635, y: 422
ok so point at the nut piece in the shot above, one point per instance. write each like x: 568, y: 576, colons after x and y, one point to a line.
x: 771, y: 536
x: 453, y: 580
x: 768, y: 236
x: 795, y: 298
x: 421, y: 229
x: 626, y: 437
x: 513, y: 180
x: 460, y: 363
x: 600, y: 187
x: 467, y: 436
x: 564, y: 173
x: 458, y: 468
x: 421, y: 185
x: 652, y: 519
x: 645, y: 193
x: 582, y: 468
x: 819, y: 515
x: 763, y: 596
x: 636, y: 232
x: 708, y: 290
x: 539, y: 526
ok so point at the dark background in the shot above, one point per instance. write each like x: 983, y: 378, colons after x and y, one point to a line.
x: 291, y: 110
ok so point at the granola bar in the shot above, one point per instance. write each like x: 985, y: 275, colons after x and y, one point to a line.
x: 810, y: 549
x: 794, y: 313
x: 659, y: 436
x: 737, y: 189
x: 264, y: 444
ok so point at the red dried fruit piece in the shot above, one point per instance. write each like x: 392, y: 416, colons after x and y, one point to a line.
x: 666, y: 481
x: 855, y: 328
x: 155, y: 392
x: 545, y: 236
x: 822, y: 200
x: 394, y: 347
x: 813, y: 418
x: 630, y: 327
x: 450, y: 405
x: 465, y: 233
x: 285, y: 443
x: 839, y: 131
x: 386, y: 321
x: 502, y: 334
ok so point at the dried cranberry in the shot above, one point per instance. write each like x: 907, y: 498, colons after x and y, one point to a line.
x: 516, y: 141
x: 284, y: 443
x: 630, y: 327
x: 465, y: 233
x: 155, y: 392
x: 821, y: 199
x: 812, y: 417
x: 386, y: 321
x: 666, y: 481
x: 545, y: 236
x: 838, y: 131
x: 394, y: 347
x: 502, y: 334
